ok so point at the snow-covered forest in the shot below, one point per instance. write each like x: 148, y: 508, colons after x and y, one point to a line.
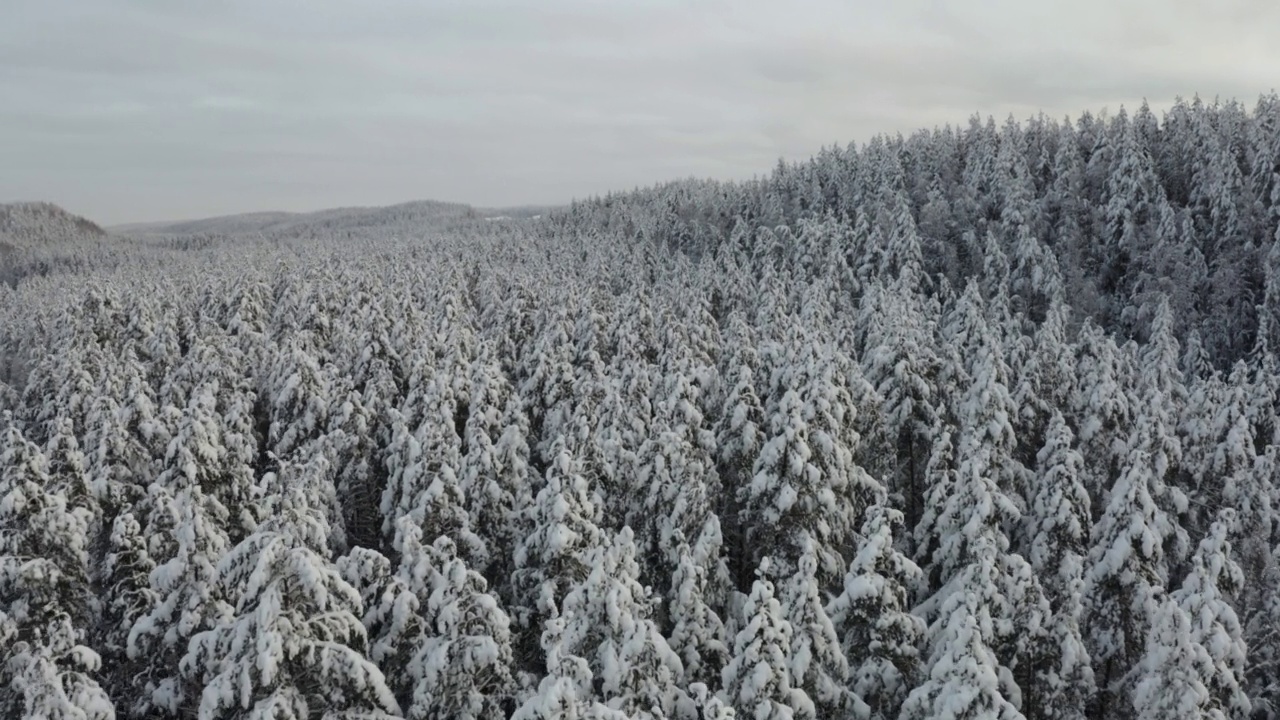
x: 976, y: 423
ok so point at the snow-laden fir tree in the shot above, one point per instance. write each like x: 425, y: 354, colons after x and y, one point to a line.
x: 53, y: 679
x: 185, y: 604
x: 462, y: 666
x: 554, y: 553
x: 547, y: 384
x: 424, y: 484
x: 1058, y: 520
x: 1047, y: 381
x: 1161, y: 397
x: 879, y: 634
x: 197, y: 459
x: 902, y: 366
x: 494, y: 478
x: 1262, y: 672
x: 46, y: 670
x: 1102, y: 410
x: 393, y: 599
x: 806, y: 485
x: 1124, y: 578
x: 757, y: 681
x: 68, y: 471
x: 120, y: 457
x: 740, y: 434
x: 297, y: 391
x: 963, y: 677
x: 351, y: 443
x: 965, y: 511
x: 819, y: 666
x: 126, y: 596
x: 1207, y: 596
x: 564, y: 692
x: 676, y: 483
x: 291, y: 643
x: 1058, y: 523
x: 608, y: 621
x: 1171, y: 678
x: 698, y: 586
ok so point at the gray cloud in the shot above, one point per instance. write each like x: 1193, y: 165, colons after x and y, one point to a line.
x: 152, y: 109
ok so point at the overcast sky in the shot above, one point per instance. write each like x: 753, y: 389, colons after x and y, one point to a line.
x: 167, y: 109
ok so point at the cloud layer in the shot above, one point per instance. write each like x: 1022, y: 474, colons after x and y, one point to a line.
x: 151, y: 109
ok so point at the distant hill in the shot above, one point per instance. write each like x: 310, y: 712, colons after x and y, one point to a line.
x: 345, y: 218
x: 33, y: 224
x: 37, y: 238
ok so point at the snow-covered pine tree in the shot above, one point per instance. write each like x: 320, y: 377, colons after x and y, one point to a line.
x: 608, y: 621
x: 806, y: 484
x: 351, y: 443
x: 297, y: 391
x: 1102, y: 410
x: 52, y: 679
x: 1058, y: 520
x: 68, y: 471
x: 819, y: 666
x: 676, y: 484
x: 757, y: 681
x: 548, y: 382
x: 1046, y: 383
x: 463, y: 664
x: 393, y: 598
x: 559, y: 534
x: 45, y: 598
x: 903, y: 368
x: 740, y: 434
x: 196, y: 458
x: 126, y: 596
x: 291, y: 644
x: 1207, y: 595
x: 965, y: 511
x: 1262, y: 632
x: 964, y: 678
x: 1124, y: 578
x: 698, y: 585
x: 495, y: 476
x: 564, y: 692
x: 1171, y: 677
x: 1161, y: 397
x: 185, y: 603
x: 880, y: 636
x: 424, y: 483
x: 125, y: 437
x: 1058, y: 524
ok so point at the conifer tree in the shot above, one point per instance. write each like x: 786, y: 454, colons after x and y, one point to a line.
x: 1263, y: 642
x: 819, y: 666
x: 1206, y: 597
x: 880, y: 635
x: 126, y: 597
x: 291, y: 643
x: 185, y: 604
x: 1125, y: 575
x: 464, y: 663
x: 1058, y: 530
x: 554, y: 553
x: 698, y: 634
x: 757, y: 681
x: 1172, y: 683
x: 964, y: 678
x: 46, y: 670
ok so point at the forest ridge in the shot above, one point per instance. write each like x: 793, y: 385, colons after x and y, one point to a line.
x: 981, y: 422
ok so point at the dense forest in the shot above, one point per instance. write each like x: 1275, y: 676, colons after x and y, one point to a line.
x: 976, y: 423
